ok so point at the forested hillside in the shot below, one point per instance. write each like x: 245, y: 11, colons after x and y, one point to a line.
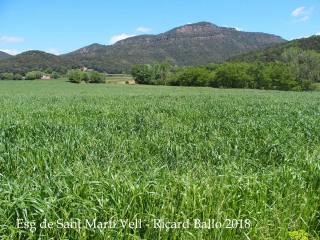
x: 4, y: 55
x: 275, y: 52
x: 36, y: 61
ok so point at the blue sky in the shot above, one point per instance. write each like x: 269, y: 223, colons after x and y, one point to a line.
x: 61, y: 26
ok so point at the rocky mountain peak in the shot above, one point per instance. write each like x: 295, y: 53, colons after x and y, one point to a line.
x: 196, y: 27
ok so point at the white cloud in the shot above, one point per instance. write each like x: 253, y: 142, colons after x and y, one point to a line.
x: 10, y: 51
x: 11, y: 39
x: 302, y: 14
x: 318, y: 34
x: 53, y: 51
x: 297, y: 12
x: 305, y: 18
x: 143, y: 29
x: 117, y: 38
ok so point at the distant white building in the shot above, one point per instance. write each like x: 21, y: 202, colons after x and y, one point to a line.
x: 44, y: 77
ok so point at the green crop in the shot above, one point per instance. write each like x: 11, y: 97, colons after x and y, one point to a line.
x: 82, y: 161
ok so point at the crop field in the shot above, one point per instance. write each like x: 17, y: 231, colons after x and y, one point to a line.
x: 111, y: 161
x: 120, y: 79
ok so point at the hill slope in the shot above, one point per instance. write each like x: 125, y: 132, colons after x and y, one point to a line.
x: 4, y: 55
x: 191, y: 44
x: 35, y: 60
x: 274, y: 53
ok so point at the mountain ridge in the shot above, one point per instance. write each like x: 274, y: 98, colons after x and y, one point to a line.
x: 201, y: 29
x: 86, y: 49
x: 191, y: 44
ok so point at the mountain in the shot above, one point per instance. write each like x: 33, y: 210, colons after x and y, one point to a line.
x: 274, y: 53
x: 35, y: 60
x: 4, y: 55
x: 191, y: 44
x: 88, y: 49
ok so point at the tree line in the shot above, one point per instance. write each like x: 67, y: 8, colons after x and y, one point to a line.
x: 31, y: 75
x: 75, y: 76
x: 298, y: 70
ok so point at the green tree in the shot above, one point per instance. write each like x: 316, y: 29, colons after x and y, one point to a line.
x: 259, y: 73
x: 192, y: 76
x: 282, y: 78
x: 234, y: 75
x: 142, y: 73
x: 48, y: 70
x: 161, y: 72
x: 304, y: 65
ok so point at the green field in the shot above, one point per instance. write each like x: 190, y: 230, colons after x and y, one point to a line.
x: 245, y: 161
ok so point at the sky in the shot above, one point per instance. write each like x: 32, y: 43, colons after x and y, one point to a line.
x: 62, y: 26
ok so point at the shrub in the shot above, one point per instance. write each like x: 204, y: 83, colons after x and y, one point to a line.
x: 33, y: 75
x: 7, y: 76
x: 96, y: 77
x: 307, y: 85
x: 17, y: 77
x: 76, y: 76
x: 55, y: 75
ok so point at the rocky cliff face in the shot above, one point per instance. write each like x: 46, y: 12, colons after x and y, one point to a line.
x: 201, y: 27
